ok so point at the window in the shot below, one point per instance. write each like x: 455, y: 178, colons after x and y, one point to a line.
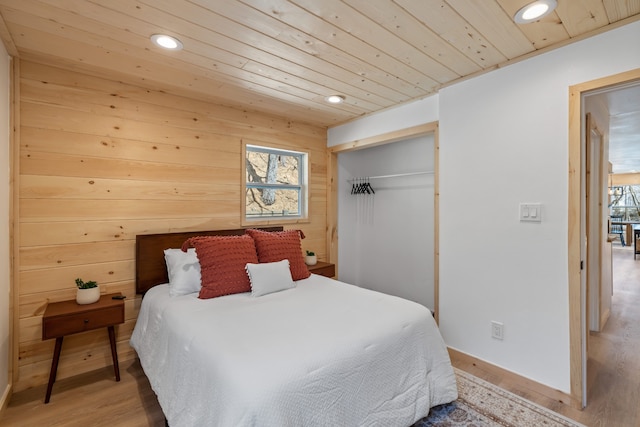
x: 275, y: 184
x: 625, y: 201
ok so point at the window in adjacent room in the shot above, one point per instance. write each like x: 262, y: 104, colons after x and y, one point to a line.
x: 275, y: 184
x: 625, y: 201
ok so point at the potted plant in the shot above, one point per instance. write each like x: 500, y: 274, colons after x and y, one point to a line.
x: 311, y: 259
x: 88, y: 292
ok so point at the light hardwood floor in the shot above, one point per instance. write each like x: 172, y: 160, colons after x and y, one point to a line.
x: 95, y: 399
x: 92, y: 399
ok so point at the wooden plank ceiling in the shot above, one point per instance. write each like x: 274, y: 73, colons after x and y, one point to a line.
x: 285, y: 57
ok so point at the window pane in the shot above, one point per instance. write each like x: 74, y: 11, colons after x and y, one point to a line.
x: 275, y: 183
x: 270, y: 202
x: 273, y: 168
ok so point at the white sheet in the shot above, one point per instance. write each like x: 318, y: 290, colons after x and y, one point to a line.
x: 321, y: 354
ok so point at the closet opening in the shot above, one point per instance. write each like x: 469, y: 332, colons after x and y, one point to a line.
x: 384, y: 213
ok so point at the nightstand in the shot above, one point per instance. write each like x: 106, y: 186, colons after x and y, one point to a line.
x: 323, y: 268
x: 68, y: 317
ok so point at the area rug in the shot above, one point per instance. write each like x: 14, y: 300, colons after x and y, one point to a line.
x: 482, y: 404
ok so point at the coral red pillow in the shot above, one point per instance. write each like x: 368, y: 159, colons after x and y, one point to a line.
x: 278, y: 245
x: 222, y: 263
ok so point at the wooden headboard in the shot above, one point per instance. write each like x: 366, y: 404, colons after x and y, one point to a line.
x: 151, y: 269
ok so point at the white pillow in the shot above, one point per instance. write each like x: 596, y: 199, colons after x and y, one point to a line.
x: 269, y: 277
x: 183, y: 269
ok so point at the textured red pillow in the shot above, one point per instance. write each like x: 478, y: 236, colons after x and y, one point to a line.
x: 278, y: 245
x: 222, y: 263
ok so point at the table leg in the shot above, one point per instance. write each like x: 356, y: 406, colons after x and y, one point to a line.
x: 54, y: 368
x: 114, y: 352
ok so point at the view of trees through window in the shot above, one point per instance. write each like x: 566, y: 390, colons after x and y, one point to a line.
x: 274, y: 184
x: 625, y: 201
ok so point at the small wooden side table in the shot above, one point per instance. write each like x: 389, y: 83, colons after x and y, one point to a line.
x: 68, y: 317
x: 323, y: 268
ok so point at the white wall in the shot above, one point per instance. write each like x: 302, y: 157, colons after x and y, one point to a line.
x: 4, y: 223
x: 504, y: 140
x: 404, y: 116
x: 371, y: 239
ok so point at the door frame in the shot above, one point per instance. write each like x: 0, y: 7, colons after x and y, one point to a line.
x: 577, y: 293
x: 596, y: 221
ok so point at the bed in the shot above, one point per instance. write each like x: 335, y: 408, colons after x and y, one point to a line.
x: 320, y: 353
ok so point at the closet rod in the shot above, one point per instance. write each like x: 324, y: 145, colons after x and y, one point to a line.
x: 392, y: 176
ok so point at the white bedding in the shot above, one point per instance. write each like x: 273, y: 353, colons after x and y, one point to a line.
x: 321, y: 354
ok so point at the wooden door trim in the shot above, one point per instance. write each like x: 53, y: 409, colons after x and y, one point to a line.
x: 574, y: 273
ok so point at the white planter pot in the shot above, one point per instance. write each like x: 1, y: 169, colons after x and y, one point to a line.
x: 310, y: 260
x: 88, y: 296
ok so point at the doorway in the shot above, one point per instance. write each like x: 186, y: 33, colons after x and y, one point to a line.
x: 578, y: 227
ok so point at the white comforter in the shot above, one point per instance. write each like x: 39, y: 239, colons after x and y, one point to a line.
x: 321, y: 354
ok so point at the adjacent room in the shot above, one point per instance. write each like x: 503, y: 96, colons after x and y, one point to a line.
x: 302, y: 212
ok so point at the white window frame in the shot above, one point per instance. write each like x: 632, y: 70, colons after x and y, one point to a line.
x: 302, y: 187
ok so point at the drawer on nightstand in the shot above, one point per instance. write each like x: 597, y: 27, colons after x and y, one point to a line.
x: 323, y: 269
x: 67, y: 324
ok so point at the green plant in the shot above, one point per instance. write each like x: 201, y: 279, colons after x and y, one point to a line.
x: 85, y: 285
x: 310, y: 253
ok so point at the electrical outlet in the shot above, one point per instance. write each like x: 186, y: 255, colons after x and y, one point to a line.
x: 497, y: 330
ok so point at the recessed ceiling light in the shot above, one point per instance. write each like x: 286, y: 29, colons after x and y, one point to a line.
x: 335, y: 99
x: 166, y: 41
x: 534, y: 11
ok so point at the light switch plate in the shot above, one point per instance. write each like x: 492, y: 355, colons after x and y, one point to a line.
x: 530, y: 212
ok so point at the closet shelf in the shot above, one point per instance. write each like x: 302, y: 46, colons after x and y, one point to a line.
x: 391, y: 176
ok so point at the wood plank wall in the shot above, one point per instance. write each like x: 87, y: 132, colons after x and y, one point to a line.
x: 102, y: 161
